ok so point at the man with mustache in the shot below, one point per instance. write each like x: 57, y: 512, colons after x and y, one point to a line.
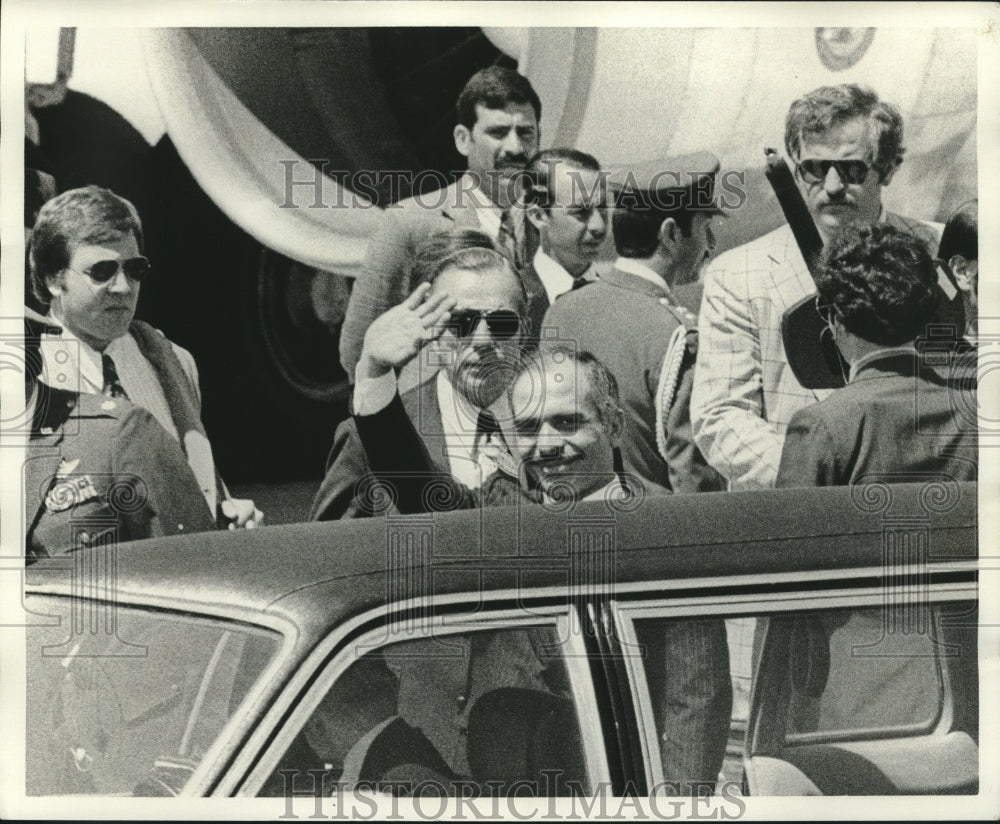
x: 635, y: 317
x: 497, y: 132
x: 845, y: 145
x: 473, y: 295
x: 87, y: 267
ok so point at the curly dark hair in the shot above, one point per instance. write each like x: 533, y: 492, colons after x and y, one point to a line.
x: 880, y: 282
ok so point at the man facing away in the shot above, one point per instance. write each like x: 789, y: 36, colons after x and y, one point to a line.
x: 497, y: 132
x: 845, y: 146
x: 898, y: 417
x: 87, y: 267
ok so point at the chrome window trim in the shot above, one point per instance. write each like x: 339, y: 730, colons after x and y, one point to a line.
x: 628, y: 612
x: 561, y: 619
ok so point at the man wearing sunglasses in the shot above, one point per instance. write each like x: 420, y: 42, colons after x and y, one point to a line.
x: 87, y: 267
x: 844, y: 145
x: 475, y: 309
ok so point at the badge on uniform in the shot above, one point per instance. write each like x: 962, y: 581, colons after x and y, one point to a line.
x: 70, y: 492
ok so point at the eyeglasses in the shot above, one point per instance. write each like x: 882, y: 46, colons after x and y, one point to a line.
x: 135, y: 269
x: 502, y: 323
x: 850, y: 171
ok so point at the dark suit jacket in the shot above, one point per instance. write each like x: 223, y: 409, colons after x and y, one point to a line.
x: 402, y: 444
x: 896, y: 419
x: 385, y: 280
x: 103, y: 470
x: 624, y: 320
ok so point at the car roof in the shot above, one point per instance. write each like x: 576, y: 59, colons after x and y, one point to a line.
x: 319, y: 574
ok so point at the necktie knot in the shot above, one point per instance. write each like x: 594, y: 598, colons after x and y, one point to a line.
x: 486, y: 424
x: 112, y: 383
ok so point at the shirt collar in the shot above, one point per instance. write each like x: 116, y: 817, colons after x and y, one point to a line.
x: 69, y: 362
x: 888, y: 352
x: 458, y: 416
x: 636, y: 267
x: 489, y: 218
x: 556, y: 280
x: 612, y: 491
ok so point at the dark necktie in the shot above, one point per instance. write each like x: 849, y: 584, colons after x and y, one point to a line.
x: 506, y: 242
x: 489, y: 443
x: 112, y: 383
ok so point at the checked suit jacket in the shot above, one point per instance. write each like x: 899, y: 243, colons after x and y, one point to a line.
x: 744, y: 392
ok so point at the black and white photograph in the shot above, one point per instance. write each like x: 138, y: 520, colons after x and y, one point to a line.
x: 499, y: 411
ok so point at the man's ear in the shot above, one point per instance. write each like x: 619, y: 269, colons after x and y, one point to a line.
x: 960, y: 268
x: 537, y: 216
x: 668, y: 234
x: 463, y: 137
x: 54, y: 284
x: 888, y: 176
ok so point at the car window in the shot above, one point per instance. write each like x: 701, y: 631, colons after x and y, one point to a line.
x: 851, y: 673
x: 848, y: 674
x: 131, y: 711
x: 490, y: 708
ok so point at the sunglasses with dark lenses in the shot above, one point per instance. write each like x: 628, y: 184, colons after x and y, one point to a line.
x: 850, y: 171
x: 104, y: 270
x: 502, y: 323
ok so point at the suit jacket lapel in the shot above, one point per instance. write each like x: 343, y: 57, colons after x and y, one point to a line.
x: 421, y: 404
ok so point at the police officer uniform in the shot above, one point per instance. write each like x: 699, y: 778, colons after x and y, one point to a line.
x: 100, y: 470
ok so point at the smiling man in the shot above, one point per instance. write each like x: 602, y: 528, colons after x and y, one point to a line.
x: 845, y: 145
x: 87, y: 267
x: 635, y: 317
x: 497, y: 132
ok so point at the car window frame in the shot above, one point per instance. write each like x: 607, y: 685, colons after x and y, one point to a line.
x: 339, y: 650
x: 760, y: 604
x: 240, y: 722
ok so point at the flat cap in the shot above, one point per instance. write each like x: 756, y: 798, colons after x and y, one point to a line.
x: 684, y: 182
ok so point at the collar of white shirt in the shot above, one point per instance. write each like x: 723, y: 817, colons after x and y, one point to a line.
x: 612, y: 491
x: 489, y: 217
x: 635, y: 267
x: 458, y: 419
x: 556, y: 280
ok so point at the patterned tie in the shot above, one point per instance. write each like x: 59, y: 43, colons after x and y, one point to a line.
x: 506, y: 241
x: 488, y: 444
x: 112, y: 383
